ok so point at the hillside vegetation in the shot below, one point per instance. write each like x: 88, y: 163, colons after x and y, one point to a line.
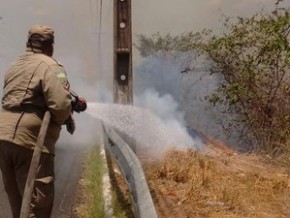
x: 250, y: 58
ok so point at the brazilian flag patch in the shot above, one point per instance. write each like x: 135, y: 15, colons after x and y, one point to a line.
x: 61, y: 75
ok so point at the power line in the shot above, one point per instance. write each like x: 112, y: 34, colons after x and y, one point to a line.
x: 100, y: 22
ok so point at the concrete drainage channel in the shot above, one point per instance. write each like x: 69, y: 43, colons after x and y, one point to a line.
x: 113, y: 145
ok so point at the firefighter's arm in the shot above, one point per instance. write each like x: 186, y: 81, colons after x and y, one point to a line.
x: 57, y: 97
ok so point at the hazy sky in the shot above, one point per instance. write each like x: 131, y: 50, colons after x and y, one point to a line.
x: 185, y: 15
x: 148, y: 16
x: 85, y: 47
x: 76, y: 23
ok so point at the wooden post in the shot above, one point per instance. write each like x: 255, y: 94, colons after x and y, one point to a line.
x: 123, y: 90
x: 34, y: 167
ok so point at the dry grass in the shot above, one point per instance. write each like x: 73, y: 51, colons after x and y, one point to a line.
x: 189, y: 184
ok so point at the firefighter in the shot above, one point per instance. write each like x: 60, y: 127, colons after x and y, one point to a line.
x: 34, y: 84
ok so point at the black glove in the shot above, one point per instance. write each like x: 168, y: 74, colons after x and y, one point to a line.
x: 79, y: 104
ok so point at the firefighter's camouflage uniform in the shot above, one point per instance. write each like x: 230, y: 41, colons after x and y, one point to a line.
x: 33, y: 84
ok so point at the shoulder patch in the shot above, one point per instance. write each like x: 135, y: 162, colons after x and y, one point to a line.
x: 61, y: 75
x: 66, y: 85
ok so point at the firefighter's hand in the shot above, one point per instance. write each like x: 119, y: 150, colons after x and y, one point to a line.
x: 70, y: 125
x: 79, y: 104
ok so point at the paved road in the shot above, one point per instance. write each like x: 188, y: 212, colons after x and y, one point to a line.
x: 68, y: 170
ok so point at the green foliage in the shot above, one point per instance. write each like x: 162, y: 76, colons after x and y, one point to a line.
x: 252, y: 58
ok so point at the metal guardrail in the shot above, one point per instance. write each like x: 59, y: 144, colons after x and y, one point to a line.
x: 132, y: 171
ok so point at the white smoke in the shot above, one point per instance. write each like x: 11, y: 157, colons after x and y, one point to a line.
x: 168, y: 111
x: 181, y: 82
x: 85, y: 49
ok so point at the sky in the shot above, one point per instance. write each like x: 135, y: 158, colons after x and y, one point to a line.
x: 78, y: 29
x: 185, y: 15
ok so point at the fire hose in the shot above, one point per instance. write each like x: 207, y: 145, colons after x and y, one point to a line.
x: 24, y: 213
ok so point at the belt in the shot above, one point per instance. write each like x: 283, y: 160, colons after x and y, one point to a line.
x: 28, y: 109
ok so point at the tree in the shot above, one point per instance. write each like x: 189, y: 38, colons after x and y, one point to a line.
x: 252, y: 59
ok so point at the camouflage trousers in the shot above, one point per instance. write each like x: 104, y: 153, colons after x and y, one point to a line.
x: 15, y: 163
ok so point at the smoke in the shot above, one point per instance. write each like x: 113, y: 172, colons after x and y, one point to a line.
x: 176, y: 86
x: 84, y: 45
x: 77, y: 47
x: 164, y: 106
x: 169, y: 112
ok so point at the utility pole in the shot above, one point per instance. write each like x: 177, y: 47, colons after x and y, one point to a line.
x: 123, y: 78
